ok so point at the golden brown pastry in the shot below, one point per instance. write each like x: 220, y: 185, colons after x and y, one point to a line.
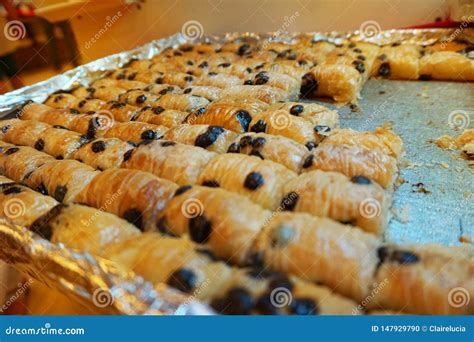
x: 342, y: 73
x: 62, y: 179
x: 424, y: 279
x: 161, y: 116
x: 61, y: 143
x: 177, y: 162
x: 109, y: 93
x: 381, y: 139
x: 353, y: 161
x: 279, y: 149
x: 400, y: 62
x: 212, y: 138
x: 356, y: 201
x: 260, y: 180
x: 182, y: 102
x: 138, y: 97
x: 135, y: 131
x: 208, y: 92
x: 230, y: 116
x: 24, y: 133
x: 263, y: 93
x: 18, y: 162
x: 136, y: 196
x: 172, y: 261
x: 21, y: 205
x: 291, y: 86
x: 280, y: 122
x: 225, y: 221
x: 320, y: 250
x: 104, y: 153
x: 83, y: 228
x: 447, y: 65
x: 223, y: 81
x: 318, y: 115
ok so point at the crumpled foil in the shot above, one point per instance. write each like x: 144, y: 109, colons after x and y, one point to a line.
x: 91, y: 280
x: 80, y: 274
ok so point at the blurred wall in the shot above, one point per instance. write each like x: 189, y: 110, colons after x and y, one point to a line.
x: 119, y: 27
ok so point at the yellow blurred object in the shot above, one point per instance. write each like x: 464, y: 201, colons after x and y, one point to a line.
x: 43, y: 300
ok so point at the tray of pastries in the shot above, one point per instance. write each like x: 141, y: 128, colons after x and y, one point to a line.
x: 213, y: 167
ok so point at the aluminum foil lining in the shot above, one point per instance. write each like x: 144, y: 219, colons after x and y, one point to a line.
x: 91, y: 280
x: 81, y: 275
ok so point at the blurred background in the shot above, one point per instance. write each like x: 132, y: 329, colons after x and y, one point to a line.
x: 45, y: 37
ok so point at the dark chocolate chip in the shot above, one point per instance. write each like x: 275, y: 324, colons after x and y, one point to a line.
x: 148, y: 135
x: 12, y: 190
x: 140, y: 99
x: 246, y: 140
x: 127, y: 155
x: 238, y: 301
x: 310, y: 145
x: 200, y: 229
x: 357, y: 50
x: 167, y: 143
x: 11, y: 150
x: 98, y: 146
x: 212, y: 73
x: 361, y: 57
x: 384, y: 69
x: 183, y: 279
x: 244, y: 119
x: 163, y: 227
x: 256, y: 153
x: 203, y: 65
x: 158, y: 110
x: 6, y: 128
x: 60, y: 193
x: 41, y: 225
x: 289, y: 201
x: 303, y: 306
x: 39, y: 144
x: 265, y: 306
x: 224, y: 65
x: 254, y: 180
x: 82, y: 103
x: 261, y: 78
x: 187, y: 90
x: 296, y: 110
x: 425, y: 77
x: 182, y: 189
x: 248, y: 82
x: 209, y: 137
x: 211, y: 183
x: 159, y: 80
x: 308, y: 161
x: 308, y: 85
x: 258, y: 142
x: 359, y: 65
x: 188, y: 78
x: 134, y: 216
x: 361, y: 180
x: 42, y: 189
x: 234, y: 148
x: 243, y: 49
x: 259, y: 127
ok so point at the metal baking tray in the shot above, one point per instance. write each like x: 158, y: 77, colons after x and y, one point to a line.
x: 434, y: 203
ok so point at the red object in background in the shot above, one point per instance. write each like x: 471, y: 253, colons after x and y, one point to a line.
x: 25, y: 10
